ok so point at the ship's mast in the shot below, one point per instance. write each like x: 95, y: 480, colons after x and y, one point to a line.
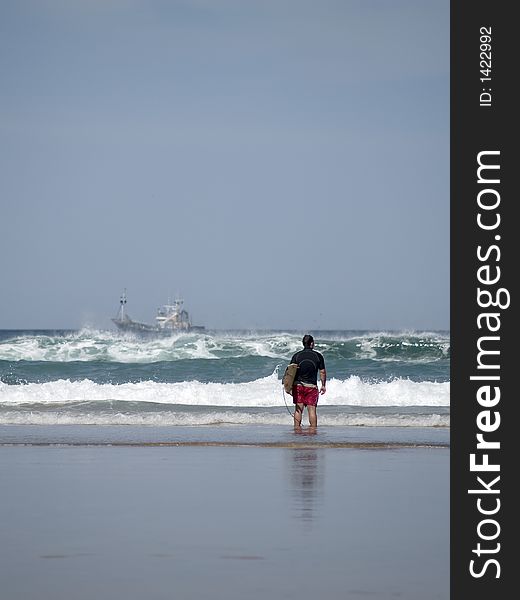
x: 122, y: 302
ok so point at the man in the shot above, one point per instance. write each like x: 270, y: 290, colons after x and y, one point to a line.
x: 305, y: 388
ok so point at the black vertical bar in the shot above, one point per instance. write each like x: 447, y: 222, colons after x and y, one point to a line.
x: 483, y: 119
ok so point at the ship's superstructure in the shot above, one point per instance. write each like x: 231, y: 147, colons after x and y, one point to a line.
x: 171, y: 318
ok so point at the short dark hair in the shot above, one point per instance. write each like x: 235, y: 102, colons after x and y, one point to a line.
x: 307, y: 340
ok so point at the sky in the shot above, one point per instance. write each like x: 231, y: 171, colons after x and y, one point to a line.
x: 279, y: 164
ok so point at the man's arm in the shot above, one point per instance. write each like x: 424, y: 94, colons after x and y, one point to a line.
x: 323, y: 378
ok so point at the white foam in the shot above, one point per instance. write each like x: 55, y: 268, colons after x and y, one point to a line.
x: 227, y: 417
x: 369, y: 344
x: 92, y: 345
x: 262, y: 392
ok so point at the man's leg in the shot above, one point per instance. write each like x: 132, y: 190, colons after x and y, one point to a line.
x: 298, y: 413
x: 313, y: 417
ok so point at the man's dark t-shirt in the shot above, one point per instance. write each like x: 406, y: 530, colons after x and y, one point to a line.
x: 309, y: 363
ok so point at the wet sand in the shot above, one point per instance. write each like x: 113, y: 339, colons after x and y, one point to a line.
x: 228, y: 521
x: 225, y: 435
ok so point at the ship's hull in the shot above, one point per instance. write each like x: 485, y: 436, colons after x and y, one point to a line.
x: 146, y: 330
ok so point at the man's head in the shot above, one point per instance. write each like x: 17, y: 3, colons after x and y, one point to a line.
x: 308, y: 341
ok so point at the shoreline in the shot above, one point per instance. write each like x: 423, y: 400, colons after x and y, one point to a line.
x: 230, y: 444
x: 252, y: 435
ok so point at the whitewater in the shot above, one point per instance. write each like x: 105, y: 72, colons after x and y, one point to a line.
x: 218, y: 378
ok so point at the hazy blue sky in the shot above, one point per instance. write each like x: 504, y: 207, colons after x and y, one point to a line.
x: 279, y: 163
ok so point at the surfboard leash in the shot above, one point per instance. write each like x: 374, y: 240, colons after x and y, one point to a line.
x: 285, y: 401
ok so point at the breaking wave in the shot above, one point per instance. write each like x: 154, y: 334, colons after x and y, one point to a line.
x: 106, y: 346
x: 262, y: 392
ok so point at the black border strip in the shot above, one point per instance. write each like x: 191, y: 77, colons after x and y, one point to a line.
x: 481, y: 124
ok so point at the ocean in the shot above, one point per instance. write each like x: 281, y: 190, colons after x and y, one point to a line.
x: 220, y: 378
x: 130, y: 467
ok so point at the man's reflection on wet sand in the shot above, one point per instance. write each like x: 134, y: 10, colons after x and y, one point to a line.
x: 305, y: 482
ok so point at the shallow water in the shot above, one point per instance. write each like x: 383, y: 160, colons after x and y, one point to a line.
x: 282, y: 435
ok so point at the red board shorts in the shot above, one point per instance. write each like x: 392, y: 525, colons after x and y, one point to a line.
x: 308, y: 396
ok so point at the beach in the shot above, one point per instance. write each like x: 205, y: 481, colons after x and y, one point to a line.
x: 224, y: 514
x: 156, y: 469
